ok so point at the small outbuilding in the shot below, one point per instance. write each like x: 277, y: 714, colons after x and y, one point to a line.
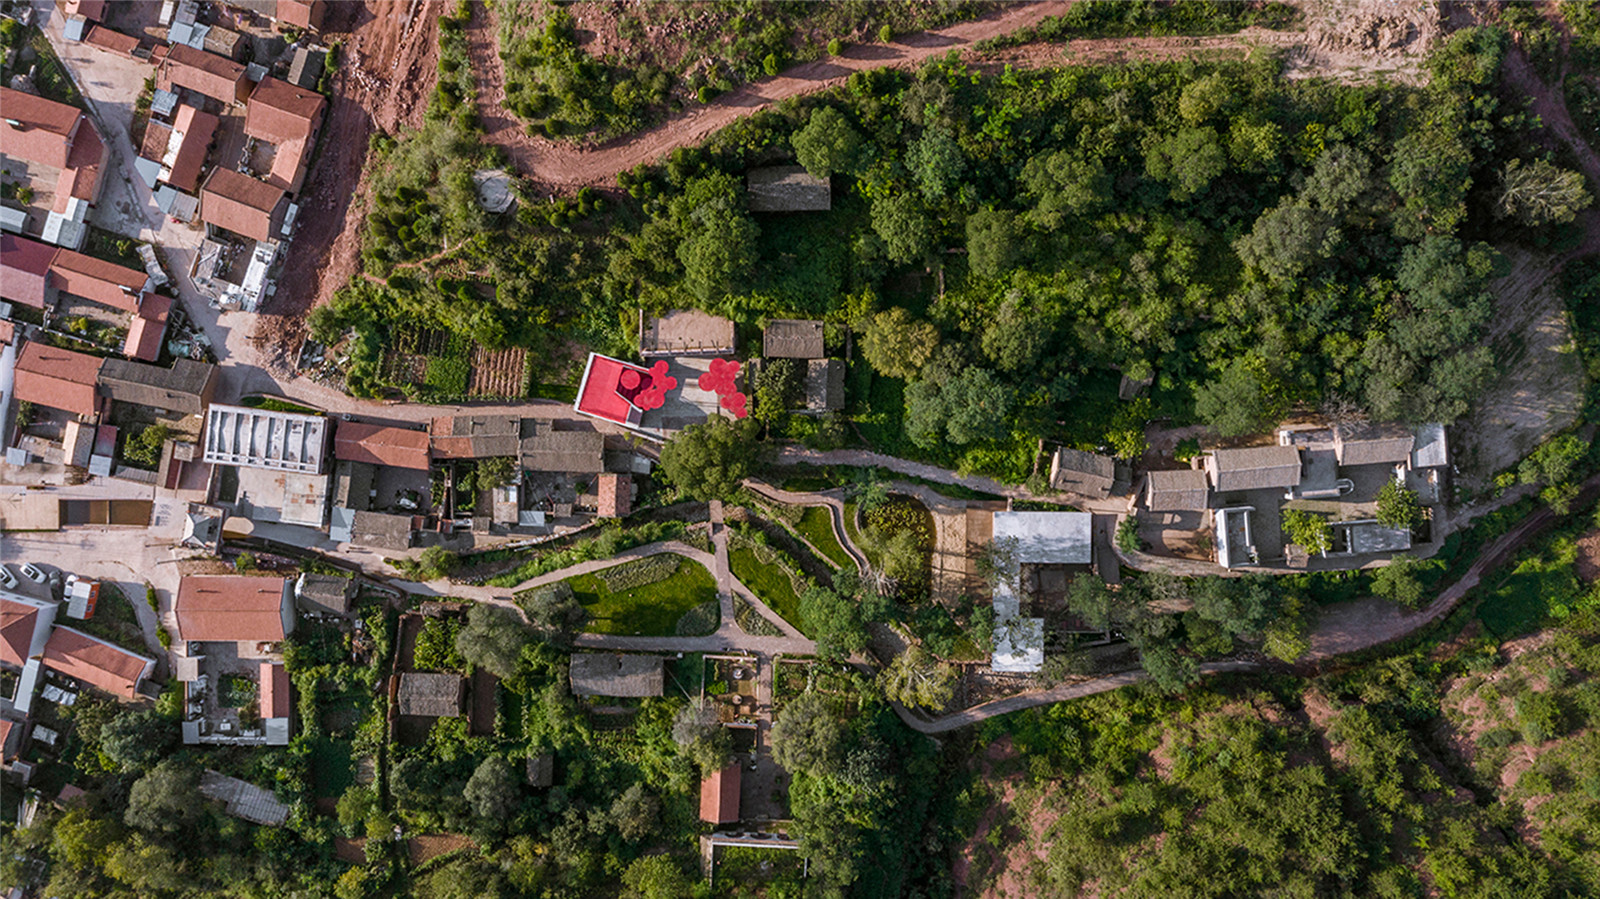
x: 1176, y: 491
x: 790, y: 338
x: 787, y: 188
x: 1084, y: 473
x: 615, y: 674
x: 431, y: 695
x: 719, y: 795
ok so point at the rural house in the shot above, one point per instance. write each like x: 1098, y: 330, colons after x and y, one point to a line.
x: 787, y: 188
x: 615, y: 674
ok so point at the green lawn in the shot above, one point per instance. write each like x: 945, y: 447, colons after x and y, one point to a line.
x: 652, y: 610
x: 816, y: 525
x: 768, y: 582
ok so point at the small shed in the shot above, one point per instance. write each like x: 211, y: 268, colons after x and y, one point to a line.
x: 324, y: 594
x: 431, y: 695
x: 824, y: 386
x: 1176, y: 491
x: 787, y: 188
x: 615, y: 495
x: 615, y: 674
x: 719, y: 795
x: 1084, y: 473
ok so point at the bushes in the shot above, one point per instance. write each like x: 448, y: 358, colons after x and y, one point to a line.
x: 637, y: 574
x: 436, y: 646
x: 606, y: 545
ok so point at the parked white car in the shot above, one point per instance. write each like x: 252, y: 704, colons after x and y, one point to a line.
x: 32, y: 573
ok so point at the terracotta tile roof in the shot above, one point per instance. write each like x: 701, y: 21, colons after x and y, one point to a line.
x: 194, y: 129
x: 8, y: 331
x: 148, y: 328
x: 115, y: 41
x: 241, y: 204
x: 302, y: 13
x: 96, y: 279
x: 279, y: 112
x: 43, y: 130
x: 275, y: 701
x: 616, y: 495
x: 475, y: 436
x: 719, y: 795
x: 24, y: 270
x: 156, y: 137
x: 102, y: 665
x: 230, y: 608
x: 57, y: 379
x: 93, y: 10
x: 17, y: 621
x: 202, y: 72
x: 6, y: 727
x: 381, y: 445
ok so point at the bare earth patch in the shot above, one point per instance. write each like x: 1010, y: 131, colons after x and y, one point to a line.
x: 1587, y: 565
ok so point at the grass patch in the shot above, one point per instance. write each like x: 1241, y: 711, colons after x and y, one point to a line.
x: 275, y: 404
x: 332, y: 766
x: 752, y: 622
x: 700, y: 620
x: 651, y: 610
x: 767, y: 581
x: 816, y: 525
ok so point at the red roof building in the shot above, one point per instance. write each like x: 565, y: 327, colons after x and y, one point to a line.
x: 54, y: 135
x: 615, y: 495
x: 10, y: 738
x: 93, y: 10
x: 104, y: 666
x: 233, y: 609
x: 275, y: 701
x: 185, y: 153
x: 19, y: 629
x: 25, y: 270
x: 381, y: 445
x: 204, y: 73
x: 234, y: 201
x: 57, y: 379
x: 148, y: 329
x: 302, y: 13
x: 114, y: 41
x: 289, y: 118
x: 719, y: 796
x: 97, y: 280
x: 609, y: 388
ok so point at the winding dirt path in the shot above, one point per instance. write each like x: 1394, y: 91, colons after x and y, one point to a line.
x: 561, y: 165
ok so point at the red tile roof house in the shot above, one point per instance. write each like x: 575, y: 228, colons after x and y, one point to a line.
x: 241, y: 204
x: 57, y: 136
x: 302, y: 13
x: 25, y: 270
x: 204, y: 73
x: 289, y: 118
x: 183, y: 153
x: 57, y: 379
x: 93, y: 10
x: 97, y: 280
x: 234, y: 609
x: 149, y: 329
x: 381, y: 445
x: 615, y: 493
x: 105, y: 666
x: 719, y: 796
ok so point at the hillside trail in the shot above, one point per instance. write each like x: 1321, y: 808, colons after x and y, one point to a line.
x: 561, y: 165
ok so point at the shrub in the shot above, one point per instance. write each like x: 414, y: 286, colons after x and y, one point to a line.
x: 1128, y: 534
x: 835, y: 47
x: 245, y: 562
x: 436, y: 646
x: 638, y: 574
x: 770, y: 65
x: 886, y: 34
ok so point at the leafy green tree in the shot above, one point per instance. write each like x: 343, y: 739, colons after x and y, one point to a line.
x: 834, y: 621
x: 969, y: 407
x: 993, y: 242
x: 497, y: 471
x: 1016, y: 336
x: 656, y: 877
x: 1287, y: 240
x: 1554, y: 461
x: 634, y: 814
x: 709, y: 460
x: 554, y: 613
x: 697, y: 731
x: 1238, y: 401
x: 1308, y: 530
x: 493, y: 639
x: 902, y: 222
x: 82, y: 839
x: 1430, y: 170
x: 1398, y: 506
x: 1400, y: 581
x: 718, y: 250
x: 355, y: 806
x: 1242, y: 606
x: 166, y: 800
x: 149, y: 868
x: 436, y: 562
x: 1063, y: 185
x: 917, y: 678
x: 936, y: 162
x: 1338, y: 178
x: 1187, y: 161
x: 809, y: 735
x: 828, y: 143
x: 777, y: 390
x: 1540, y: 193
x: 1203, y: 98
x: 137, y: 740
x: 1288, y: 636
x: 1169, y: 669
x: 493, y: 792
x: 897, y: 345
x: 143, y: 448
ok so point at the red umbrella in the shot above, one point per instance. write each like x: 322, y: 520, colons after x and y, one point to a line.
x: 629, y: 379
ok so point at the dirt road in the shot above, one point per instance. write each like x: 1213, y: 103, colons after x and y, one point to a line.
x: 560, y: 165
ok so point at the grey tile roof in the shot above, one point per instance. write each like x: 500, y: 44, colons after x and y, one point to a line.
x: 1254, y: 468
x: 1368, y: 444
x: 430, y: 695
x: 546, y: 449
x: 792, y: 338
x: 381, y: 530
x: 824, y: 386
x: 184, y: 388
x: 324, y: 593
x: 1176, y: 491
x: 1076, y: 471
x: 614, y: 674
x: 787, y: 188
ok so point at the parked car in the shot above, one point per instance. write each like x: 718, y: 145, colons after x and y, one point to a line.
x: 32, y: 573
x: 7, y: 578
